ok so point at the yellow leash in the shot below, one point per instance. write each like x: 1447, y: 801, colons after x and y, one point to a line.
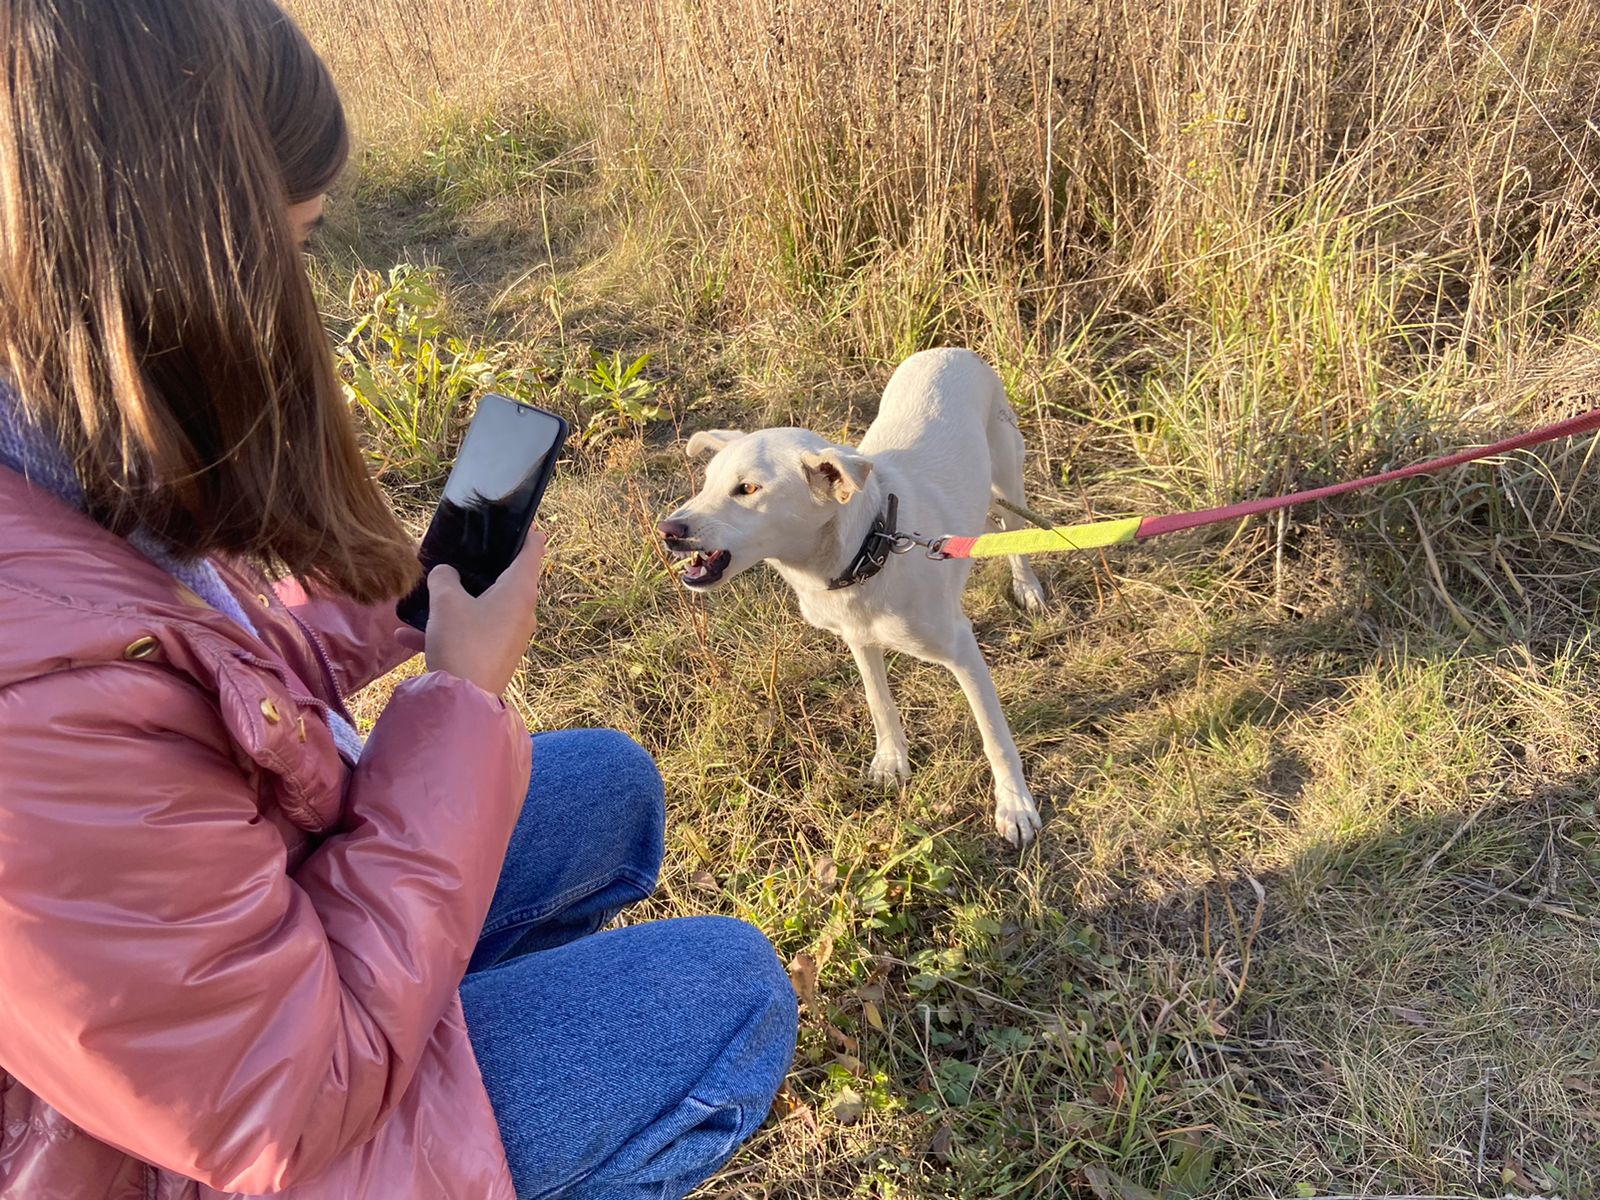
x: 1091, y: 536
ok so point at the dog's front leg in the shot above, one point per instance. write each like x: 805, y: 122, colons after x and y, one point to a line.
x: 891, y: 764
x: 1015, y: 815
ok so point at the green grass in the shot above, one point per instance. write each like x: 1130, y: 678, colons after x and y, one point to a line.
x: 1315, y: 908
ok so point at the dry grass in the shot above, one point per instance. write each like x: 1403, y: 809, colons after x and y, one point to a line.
x: 1315, y: 912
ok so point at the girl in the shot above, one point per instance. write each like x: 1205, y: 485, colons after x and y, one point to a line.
x: 241, y: 951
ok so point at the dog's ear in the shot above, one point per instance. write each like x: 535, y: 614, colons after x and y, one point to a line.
x: 709, y: 441
x: 836, y: 474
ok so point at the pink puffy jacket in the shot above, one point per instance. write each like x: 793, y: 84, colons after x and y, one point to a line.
x: 228, y: 963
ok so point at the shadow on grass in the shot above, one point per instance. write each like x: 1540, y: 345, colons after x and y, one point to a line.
x: 1406, y: 1008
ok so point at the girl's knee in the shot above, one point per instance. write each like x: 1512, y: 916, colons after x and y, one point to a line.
x: 634, y: 782
x: 749, y: 971
x: 604, y: 790
x: 629, y: 760
x: 609, y: 758
x: 756, y: 983
x: 606, y: 762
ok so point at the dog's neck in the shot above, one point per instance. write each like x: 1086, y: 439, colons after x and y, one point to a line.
x: 839, y: 541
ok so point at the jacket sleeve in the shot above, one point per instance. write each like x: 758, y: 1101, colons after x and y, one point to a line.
x: 168, y: 986
x: 359, y: 639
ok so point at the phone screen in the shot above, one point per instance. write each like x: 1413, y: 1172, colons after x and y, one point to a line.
x: 490, y: 498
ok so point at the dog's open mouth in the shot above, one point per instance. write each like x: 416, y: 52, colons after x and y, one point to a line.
x: 702, y: 569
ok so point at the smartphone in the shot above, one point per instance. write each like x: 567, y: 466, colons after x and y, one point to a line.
x: 489, y: 501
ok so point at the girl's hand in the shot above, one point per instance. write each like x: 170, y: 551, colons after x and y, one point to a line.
x: 482, y: 638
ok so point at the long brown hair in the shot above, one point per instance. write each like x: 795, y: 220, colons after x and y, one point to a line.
x: 155, y: 314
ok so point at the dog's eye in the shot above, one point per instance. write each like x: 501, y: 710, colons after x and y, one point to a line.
x: 746, y: 489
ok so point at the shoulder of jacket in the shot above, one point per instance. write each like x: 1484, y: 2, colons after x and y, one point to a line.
x: 73, y: 593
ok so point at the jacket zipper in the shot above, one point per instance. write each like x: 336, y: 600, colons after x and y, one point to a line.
x: 315, y: 639
x: 278, y: 673
x: 324, y: 660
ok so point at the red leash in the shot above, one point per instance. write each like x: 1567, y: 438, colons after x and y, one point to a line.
x: 1109, y: 533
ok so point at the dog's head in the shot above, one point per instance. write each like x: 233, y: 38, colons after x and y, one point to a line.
x: 767, y: 495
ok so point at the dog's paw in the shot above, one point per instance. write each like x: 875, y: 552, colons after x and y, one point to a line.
x: 1015, y: 817
x: 890, y: 768
x: 1029, y: 595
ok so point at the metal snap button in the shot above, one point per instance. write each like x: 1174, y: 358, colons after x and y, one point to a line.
x: 141, y: 648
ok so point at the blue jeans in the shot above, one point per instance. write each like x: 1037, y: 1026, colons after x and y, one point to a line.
x: 628, y: 1064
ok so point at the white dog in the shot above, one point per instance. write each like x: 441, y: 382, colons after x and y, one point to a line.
x: 945, y: 441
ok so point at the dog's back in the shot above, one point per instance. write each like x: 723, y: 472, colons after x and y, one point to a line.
x: 935, y: 391
x: 943, y: 414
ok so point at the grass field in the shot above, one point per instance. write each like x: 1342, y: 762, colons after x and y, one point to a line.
x: 1316, y: 909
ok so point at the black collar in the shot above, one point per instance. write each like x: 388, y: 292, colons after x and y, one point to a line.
x: 875, y: 549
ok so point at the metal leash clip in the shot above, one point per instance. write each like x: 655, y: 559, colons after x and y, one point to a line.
x: 904, y: 543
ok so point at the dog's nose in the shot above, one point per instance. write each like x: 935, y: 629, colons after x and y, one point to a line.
x: 673, y: 530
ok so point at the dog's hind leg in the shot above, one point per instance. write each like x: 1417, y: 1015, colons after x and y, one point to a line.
x: 1015, y: 816
x: 1005, y: 459
x: 891, y: 764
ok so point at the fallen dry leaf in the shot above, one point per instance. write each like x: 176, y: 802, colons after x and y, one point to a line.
x: 1410, y: 1016
x: 842, y: 1039
x: 847, y: 1106
x: 785, y: 1103
x: 1108, y: 1185
x: 1512, y: 1173
x: 790, y: 1107
x: 824, y: 951
x: 803, y: 971
x: 826, y: 872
